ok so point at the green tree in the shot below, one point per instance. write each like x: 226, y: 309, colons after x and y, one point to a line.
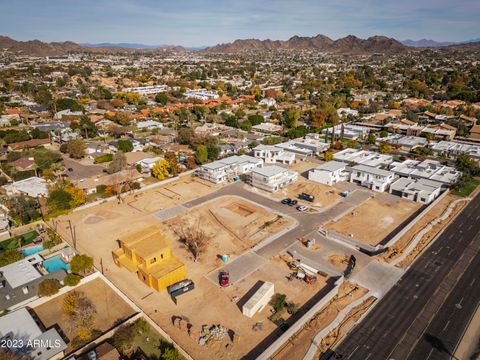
x: 371, y: 139
x: 160, y: 169
x: 290, y: 117
x: 467, y: 164
x: 10, y: 256
x: 66, y: 103
x: 201, y: 154
x: 119, y: 162
x: 76, y: 148
x: 59, y: 199
x: 71, y: 280
x: 81, y: 264
x: 172, y: 160
x: 48, y: 287
x: 161, y: 98
x: 124, y: 145
x: 87, y: 127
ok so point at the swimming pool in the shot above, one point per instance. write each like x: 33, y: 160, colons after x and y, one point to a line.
x: 55, y: 263
x: 32, y: 250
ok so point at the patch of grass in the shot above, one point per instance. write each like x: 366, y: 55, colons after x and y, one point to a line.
x: 19, y: 241
x: 467, y: 188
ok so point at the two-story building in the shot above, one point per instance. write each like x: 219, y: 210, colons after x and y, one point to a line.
x: 273, y: 155
x: 227, y: 168
x: 271, y: 178
x: 423, y: 191
x: 371, y: 177
x: 148, y: 253
x: 329, y: 173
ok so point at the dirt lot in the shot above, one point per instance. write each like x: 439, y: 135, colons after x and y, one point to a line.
x: 302, y: 166
x: 232, y: 225
x: 374, y: 219
x: 97, y: 229
x: 298, y: 345
x: 111, y: 309
x: 110, y: 220
x: 324, y: 195
x: 397, y: 249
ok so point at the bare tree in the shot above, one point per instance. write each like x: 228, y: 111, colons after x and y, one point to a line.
x: 194, y: 239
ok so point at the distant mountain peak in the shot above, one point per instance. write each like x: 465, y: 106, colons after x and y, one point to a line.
x: 347, y: 45
x: 40, y: 48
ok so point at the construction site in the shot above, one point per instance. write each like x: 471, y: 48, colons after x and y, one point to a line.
x: 375, y: 219
x: 258, y: 266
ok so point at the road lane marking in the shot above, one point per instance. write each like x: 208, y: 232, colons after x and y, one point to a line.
x: 446, y: 325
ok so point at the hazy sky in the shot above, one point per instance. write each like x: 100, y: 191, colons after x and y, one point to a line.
x: 207, y: 22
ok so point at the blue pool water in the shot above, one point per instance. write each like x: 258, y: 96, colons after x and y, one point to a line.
x: 55, y: 263
x: 32, y: 250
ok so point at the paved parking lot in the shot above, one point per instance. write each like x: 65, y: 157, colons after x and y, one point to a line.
x: 239, y: 268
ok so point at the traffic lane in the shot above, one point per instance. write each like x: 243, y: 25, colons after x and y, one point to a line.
x: 446, y: 329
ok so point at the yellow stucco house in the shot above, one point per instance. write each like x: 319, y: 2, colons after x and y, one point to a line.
x: 148, y: 252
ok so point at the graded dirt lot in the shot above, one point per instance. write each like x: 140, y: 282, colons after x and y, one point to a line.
x: 433, y: 213
x: 298, y: 345
x: 324, y: 195
x: 110, y: 309
x: 372, y: 221
x: 232, y: 224
x: 235, y: 225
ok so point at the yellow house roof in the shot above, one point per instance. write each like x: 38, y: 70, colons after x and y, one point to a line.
x: 147, y: 241
x: 163, y: 267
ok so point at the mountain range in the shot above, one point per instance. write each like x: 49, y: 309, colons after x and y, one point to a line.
x: 426, y: 43
x: 346, y: 45
x: 40, y: 48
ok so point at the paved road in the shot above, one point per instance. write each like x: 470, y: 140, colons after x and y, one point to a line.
x: 307, y: 222
x: 421, y: 302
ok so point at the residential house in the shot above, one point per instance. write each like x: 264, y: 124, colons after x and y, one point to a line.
x: 371, y: 177
x: 60, y: 114
x: 329, y: 173
x: 147, y: 164
x: 28, y: 338
x: 228, y: 168
x: 427, y: 169
x: 19, y: 281
x: 268, y: 127
x: 454, y: 148
x: 423, y: 191
x: 148, y: 253
x: 271, y: 154
x: 271, y: 178
x: 304, y: 147
x: 123, y: 177
x: 148, y: 125
x: 364, y: 157
x: 33, y: 186
x: 23, y: 164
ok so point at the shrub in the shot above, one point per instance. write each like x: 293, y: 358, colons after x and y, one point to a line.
x: 103, y: 159
x: 48, y: 287
x: 72, y: 280
x: 101, y: 189
x: 10, y: 256
x: 81, y: 264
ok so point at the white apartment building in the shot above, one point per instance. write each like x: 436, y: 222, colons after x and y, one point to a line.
x: 329, y: 173
x: 369, y: 158
x: 201, y: 94
x: 272, y: 154
x: 420, y: 190
x: 147, y: 90
x: 225, y: 169
x: 371, y: 177
x: 271, y: 178
x: 427, y: 169
x: 305, y: 147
